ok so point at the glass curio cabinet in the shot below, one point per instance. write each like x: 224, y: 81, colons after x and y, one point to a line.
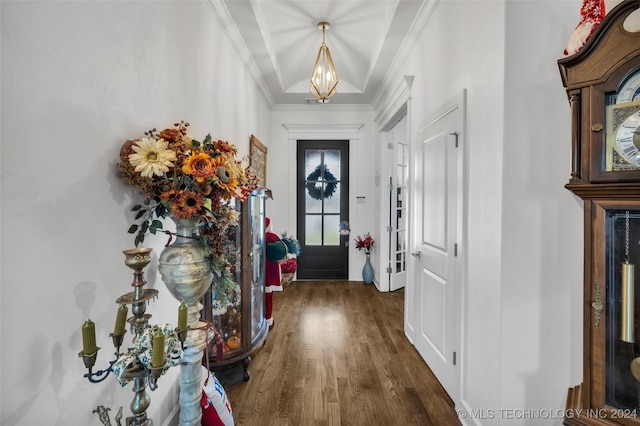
x: 237, y: 309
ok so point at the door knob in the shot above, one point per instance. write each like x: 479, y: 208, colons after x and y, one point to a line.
x: 416, y: 254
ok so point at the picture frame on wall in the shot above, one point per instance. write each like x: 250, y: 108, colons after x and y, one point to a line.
x: 258, y: 160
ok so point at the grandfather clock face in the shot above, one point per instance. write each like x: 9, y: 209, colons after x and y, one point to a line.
x: 623, y: 125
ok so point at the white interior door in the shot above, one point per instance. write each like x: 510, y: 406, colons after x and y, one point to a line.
x: 398, y: 203
x: 437, y: 266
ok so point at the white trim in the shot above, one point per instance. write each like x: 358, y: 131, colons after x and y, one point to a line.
x: 422, y: 18
x: 396, y: 106
x: 322, y: 107
x: 220, y: 11
x: 400, y: 96
x: 322, y: 131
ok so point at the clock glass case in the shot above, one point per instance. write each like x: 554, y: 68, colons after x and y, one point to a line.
x: 622, y: 254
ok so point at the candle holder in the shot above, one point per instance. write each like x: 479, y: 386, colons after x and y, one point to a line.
x: 142, y: 376
x: 90, y: 359
x: 117, y: 340
x: 182, y: 335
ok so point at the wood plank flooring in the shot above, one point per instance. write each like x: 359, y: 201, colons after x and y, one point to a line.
x: 337, y: 355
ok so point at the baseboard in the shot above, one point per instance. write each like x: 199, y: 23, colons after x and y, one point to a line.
x: 174, y: 417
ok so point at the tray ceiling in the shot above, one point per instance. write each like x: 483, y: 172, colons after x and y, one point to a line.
x: 280, y: 41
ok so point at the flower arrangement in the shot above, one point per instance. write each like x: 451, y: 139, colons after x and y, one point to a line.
x: 365, y: 244
x: 186, y: 178
x: 289, y: 265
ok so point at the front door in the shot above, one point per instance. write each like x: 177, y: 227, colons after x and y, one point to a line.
x: 437, y: 262
x: 322, y: 204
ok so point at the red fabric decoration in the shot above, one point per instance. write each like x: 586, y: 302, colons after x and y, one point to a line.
x: 591, y: 14
x: 273, y: 281
x: 216, y: 408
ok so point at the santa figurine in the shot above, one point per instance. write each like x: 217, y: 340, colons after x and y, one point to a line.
x: 592, y: 13
x: 276, y: 250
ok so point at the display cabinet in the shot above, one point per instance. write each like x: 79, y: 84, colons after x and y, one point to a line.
x: 603, y: 86
x: 237, y: 312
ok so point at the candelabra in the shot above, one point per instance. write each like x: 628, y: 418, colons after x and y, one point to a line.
x: 133, y: 369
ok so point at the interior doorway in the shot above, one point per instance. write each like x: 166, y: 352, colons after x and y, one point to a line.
x: 322, y: 204
x: 398, y: 202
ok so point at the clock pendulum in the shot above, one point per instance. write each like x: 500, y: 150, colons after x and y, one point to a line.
x: 628, y: 291
x: 628, y: 295
x: 628, y: 272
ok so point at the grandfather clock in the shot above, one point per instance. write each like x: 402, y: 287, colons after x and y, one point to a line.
x: 603, y: 85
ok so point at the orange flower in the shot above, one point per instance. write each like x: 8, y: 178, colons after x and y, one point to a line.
x: 199, y: 165
x: 187, y: 204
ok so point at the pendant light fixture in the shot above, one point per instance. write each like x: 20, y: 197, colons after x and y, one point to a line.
x: 324, y: 78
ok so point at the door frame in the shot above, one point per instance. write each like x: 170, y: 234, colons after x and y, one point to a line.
x: 327, y: 131
x: 325, y: 262
x: 458, y: 102
x: 390, y: 156
x: 398, y: 105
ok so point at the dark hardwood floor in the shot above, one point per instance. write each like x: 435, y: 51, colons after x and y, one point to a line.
x: 337, y: 355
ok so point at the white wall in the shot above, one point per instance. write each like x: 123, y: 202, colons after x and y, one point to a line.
x: 78, y: 79
x: 521, y: 344
x: 541, y: 291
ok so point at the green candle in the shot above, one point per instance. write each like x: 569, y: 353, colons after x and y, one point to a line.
x: 182, y: 316
x: 157, y: 350
x: 89, y: 338
x: 121, y: 319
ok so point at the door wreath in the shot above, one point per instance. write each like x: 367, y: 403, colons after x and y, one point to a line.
x: 320, y: 174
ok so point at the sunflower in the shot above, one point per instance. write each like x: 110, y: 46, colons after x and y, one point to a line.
x: 186, y: 204
x: 237, y: 170
x: 169, y: 196
x: 223, y: 176
x: 199, y: 165
x: 151, y: 157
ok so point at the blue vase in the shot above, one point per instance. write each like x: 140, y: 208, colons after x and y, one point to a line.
x: 367, y: 272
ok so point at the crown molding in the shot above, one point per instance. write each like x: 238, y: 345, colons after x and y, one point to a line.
x: 400, y: 96
x: 220, y: 11
x: 322, y: 131
x: 422, y: 19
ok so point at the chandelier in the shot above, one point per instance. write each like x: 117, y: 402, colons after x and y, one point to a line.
x: 324, y: 78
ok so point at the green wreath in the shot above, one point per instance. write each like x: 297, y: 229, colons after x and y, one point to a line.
x: 321, y: 171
